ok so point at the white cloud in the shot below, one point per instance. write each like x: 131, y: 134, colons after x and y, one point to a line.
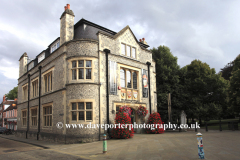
x: 9, y: 69
x: 10, y: 72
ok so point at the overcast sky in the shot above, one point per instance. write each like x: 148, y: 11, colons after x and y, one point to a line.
x: 199, y: 29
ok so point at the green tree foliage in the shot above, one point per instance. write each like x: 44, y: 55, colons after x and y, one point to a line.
x: 227, y: 71
x: 234, y: 90
x: 167, y: 79
x: 195, y: 88
x: 12, y: 94
x: 207, y: 90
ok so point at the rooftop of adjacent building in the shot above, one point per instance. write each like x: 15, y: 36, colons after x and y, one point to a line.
x: 10, y: 104
x: 90, y: 32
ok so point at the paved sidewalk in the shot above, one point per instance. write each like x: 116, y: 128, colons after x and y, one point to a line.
x: 170, y: 145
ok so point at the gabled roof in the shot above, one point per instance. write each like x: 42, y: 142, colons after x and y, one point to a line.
x: 142, y: 45
x: 126, y: 28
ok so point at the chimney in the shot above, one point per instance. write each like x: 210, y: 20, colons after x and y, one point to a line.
x: 23, y: 64
x: 143, y: 41
x: 4, y: 98
x: 66, y: 25
x: 68, y: 6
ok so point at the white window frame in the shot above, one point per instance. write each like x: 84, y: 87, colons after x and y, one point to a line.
x: 55, y: 46
x: 126, y: 50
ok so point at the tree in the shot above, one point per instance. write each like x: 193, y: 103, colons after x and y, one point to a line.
x: 167, y: 79
x: 227, y: 71
x: 12, y: 94
x: 207, y: 90
x: 234, y: 90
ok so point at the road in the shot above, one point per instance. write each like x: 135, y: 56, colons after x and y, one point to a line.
x: 12, y: 150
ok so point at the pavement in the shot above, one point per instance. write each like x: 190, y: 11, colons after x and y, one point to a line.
x: 169, y: 145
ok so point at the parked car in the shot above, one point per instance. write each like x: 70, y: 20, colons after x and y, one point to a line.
x: 2, y: 129
x: 8, y: 131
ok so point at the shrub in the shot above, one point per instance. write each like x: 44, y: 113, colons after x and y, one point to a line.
x: 118, y: 132
x: 155, y: 118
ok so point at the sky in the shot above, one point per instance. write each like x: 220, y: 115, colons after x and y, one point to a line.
x: 199, y: 29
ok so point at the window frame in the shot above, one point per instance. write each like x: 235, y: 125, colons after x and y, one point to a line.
x: 131, y: 89
x: 34, y: 87
x: 85, y: 110
x: 25, y: 92
x: 50, y: 71
x: 126, y: 51
x: 77, y: 68
x: 24, y: 117
x: 55, y: 46
x: 34, y: 116
x: 47, y: 115
x: 85, y: 121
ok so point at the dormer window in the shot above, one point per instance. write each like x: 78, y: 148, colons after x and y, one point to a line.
x: 55, y: 46
x: 30, y: 65
x: 41, y: 57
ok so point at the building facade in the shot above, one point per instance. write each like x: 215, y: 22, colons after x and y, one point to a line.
x: 83, y: 77
x: 8, y: 113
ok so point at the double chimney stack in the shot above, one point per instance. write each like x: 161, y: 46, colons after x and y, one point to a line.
x: 67, y: 7
x: 143, y: 41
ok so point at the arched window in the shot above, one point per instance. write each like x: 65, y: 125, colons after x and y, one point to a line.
x: 134, y: 80
x: 129, y: 78
x: 122, y: 78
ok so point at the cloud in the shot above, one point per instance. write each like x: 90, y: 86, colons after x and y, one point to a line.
x: 205, y: 30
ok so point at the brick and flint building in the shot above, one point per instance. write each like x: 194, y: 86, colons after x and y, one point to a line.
x: 84, y: 76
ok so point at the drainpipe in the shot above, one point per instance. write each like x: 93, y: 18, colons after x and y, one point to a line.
x: 107, y: 51
x: 149, y: 88
x: 28, y: 105
x: 99, y: 91
x: 39, y: 100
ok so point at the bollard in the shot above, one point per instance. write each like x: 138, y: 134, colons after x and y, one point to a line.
x: 104, y: 143
x: 200, y: 146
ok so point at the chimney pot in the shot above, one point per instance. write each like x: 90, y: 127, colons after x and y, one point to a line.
x: 140, y: 40
x: 68, y: 6
x: 4, y: 98
x: 143, y: 39
x: 65, y: 7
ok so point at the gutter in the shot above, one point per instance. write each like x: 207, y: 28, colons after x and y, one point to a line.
x: 149, y: 80
x: 39, y: 100
x: 107, y: 51
x: 28, y: 105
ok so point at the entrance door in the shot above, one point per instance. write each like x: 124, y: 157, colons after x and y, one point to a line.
x: 133, y: 118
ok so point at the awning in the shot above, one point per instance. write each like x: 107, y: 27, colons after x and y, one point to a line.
x: 12, y: 119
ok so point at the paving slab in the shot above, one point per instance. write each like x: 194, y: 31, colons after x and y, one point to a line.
x: 170, y: 145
